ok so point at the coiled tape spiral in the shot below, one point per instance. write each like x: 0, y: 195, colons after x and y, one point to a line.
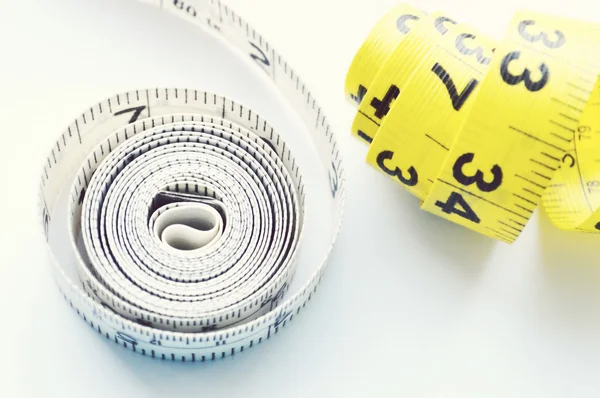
x: 186, y: 209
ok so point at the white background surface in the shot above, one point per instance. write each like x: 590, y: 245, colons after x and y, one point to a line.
x: 411, y: 305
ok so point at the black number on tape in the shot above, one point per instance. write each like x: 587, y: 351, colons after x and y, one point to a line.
x: 598, y: 226
x: 478, y: 178
x: 362, y: 91
x: 181, y: 5
x: 543, y: 36
x: 262, y: 58
x: 457, y: 99
x: 401, y: 22
x: 583, y: 132
x: 439, y: 24
x: 584, y: 129
x: 382, y: 106
x: 333, y: 182
x: 477, y: 51
x: 465, y: 211
x: 137, y: 111
x: 570, y: 158
x: 126, y: 338
x: 525, y: 76
x: 411, y: 181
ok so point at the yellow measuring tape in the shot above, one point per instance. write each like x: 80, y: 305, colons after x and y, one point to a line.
x: 481, y: 130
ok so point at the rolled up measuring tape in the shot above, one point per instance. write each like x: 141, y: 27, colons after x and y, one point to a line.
x: 480, y: 130
x: 185, y: 209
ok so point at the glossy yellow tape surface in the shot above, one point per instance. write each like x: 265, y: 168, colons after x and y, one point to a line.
x: 484, y: 130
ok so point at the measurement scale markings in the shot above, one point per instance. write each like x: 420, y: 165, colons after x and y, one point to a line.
x: 567, y: 140
x: 530, y: 211
x: 567, y: 105
x: 368, y: 117
x: 585, y: 90
x: 531, y: 182
x: 509, y: 226
x: 542, y: 175
x: 542, y: 164
x: 531, y: 192
x: 516, y: 222
x: 533, y: 137
x: 577, y: 98
x: 502, y: 236
x: 573, y: 119
x: 510, y: 233
x: 562, y: 126
x: 525, y: 199
x: 437, y: 142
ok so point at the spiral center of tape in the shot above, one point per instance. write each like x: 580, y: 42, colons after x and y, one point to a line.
x: 191, y: 227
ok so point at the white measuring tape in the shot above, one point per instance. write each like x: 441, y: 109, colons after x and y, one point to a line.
x: 185, y: 209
